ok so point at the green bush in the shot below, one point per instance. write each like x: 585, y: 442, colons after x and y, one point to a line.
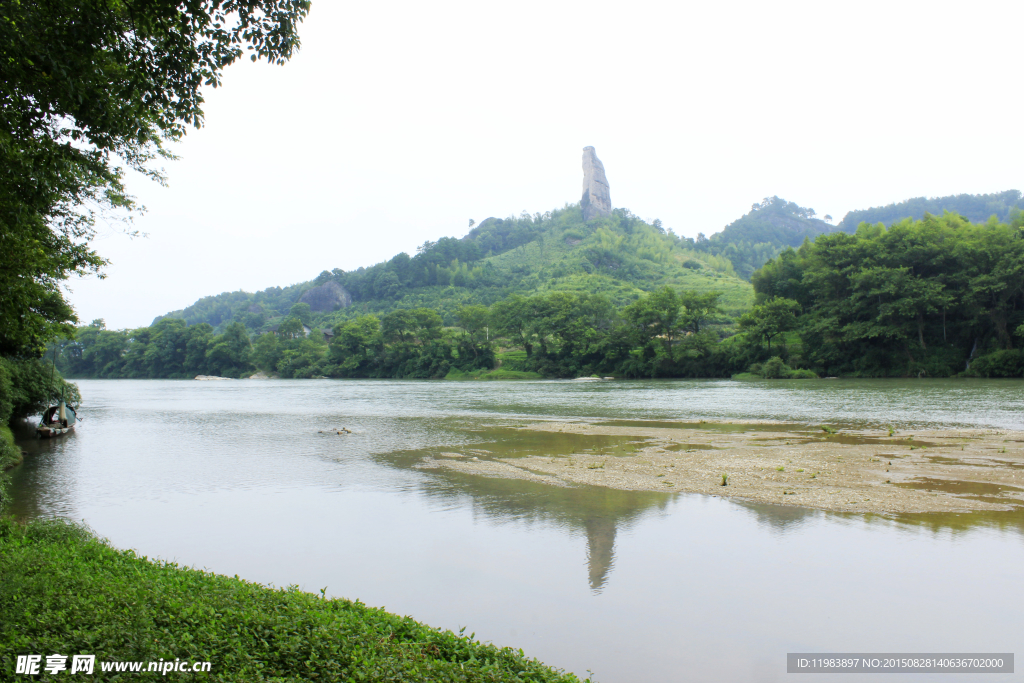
x: 774, y: 368
x: 10, y: 454
x: 6, y: 393
x: 746, y: 377
x: 62, y: 590
x: 1003, y: 363
x: 26, y: 388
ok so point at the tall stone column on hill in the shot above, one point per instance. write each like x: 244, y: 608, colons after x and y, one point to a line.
x: 597, y: 199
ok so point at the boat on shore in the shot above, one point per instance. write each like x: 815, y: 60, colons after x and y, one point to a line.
x: 57, y: 421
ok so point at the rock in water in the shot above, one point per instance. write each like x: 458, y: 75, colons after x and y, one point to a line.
x: 597, y: 200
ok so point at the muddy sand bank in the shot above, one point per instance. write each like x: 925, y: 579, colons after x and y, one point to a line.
x: 951, y: 470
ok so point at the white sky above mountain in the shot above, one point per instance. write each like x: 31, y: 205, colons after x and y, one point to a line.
x: 397, y: 122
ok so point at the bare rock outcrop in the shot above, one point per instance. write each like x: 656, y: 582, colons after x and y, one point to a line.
x: 597, y: 199
x: 329, y: 296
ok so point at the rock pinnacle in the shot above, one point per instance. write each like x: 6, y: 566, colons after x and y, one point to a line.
x: 597, y: 200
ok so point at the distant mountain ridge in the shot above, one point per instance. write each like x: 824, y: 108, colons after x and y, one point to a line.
x: 770, y: 226
x: 976, y: 208
x: 775, y: 224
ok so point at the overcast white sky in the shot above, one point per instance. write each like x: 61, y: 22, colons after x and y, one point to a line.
x: 397, y: 122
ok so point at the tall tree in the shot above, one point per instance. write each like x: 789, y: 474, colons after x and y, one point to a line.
x: 766, y: 321
x: 512, y: 318
x: 88, y: 88
x: 654, y: 316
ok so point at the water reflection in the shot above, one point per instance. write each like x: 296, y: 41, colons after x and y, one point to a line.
x: 779, y: 518
x: 599, y: 513
x: 592, y: 512
x: 233, y: 476
x: 32, y: 484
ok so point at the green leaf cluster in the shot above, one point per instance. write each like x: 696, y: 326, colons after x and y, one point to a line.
x: 29, y: 385
x: 87, y: 89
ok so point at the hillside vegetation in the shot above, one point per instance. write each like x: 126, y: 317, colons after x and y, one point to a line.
x: 552, y: 334
x: 976, y: 208
x: 771, y: 226
x: 552, y: 296
x: 619, y: 256
x: 936, y: 297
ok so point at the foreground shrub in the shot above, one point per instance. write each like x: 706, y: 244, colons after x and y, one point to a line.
x: 64, y: 591
x: 27, y: 386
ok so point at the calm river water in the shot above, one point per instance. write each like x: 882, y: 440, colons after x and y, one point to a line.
x: 234, y: 477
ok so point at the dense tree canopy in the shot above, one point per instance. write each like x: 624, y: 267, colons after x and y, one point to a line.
x: 90, y: 87
x: 977, y: 208
x: 922, y: 297
x: 557, y: 334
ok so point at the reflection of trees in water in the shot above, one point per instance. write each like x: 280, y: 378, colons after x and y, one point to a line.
x: 599, y: 512
x: 595, y: 511
x: 946, y: 522
x: 785, y: 518
x: 36, y: 488
x: 778, y: 517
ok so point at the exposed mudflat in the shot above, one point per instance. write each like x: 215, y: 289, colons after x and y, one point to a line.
x: 954, y: 470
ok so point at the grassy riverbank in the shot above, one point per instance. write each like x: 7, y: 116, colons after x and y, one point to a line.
x: 64, y: 591
x: 10, y: 454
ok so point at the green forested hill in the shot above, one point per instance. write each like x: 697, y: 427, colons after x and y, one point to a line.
x: 619, y: 256
x: 976, y: 208
x: 771, y: 226
x: 552, y: 296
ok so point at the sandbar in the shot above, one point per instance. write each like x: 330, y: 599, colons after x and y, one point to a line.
x: 851, y: 470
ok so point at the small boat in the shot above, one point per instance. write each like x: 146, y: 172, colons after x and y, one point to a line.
x: 57, y: 420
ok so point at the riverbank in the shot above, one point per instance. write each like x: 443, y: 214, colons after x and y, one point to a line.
x: 64, y: 591
x: 10, y: 454
x: 867, y: 471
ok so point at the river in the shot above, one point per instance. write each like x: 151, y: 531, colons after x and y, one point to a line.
x: 251, y: 478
